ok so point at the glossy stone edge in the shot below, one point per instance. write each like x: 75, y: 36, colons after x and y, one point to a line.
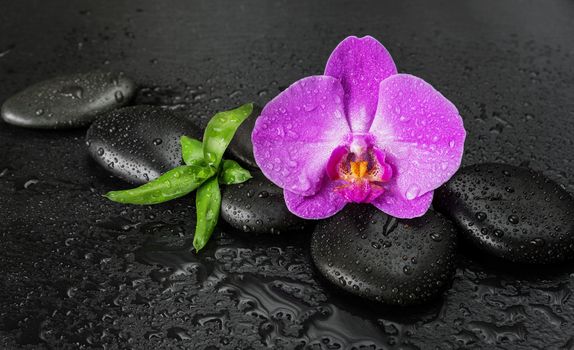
x: 471, y: 240
x: 130, y: 87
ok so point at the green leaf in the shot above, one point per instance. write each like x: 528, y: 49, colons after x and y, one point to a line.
x: 232, y: 173
x: 208, y: 204
x: 173, y: 184
x: 220, y: 131
x: 191, y: 151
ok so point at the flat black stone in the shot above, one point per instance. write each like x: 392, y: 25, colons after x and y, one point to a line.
x: 139, y: 143
x: 68, y: 101
x: 241, y: 146
x: 258, y: 206
x: 510, y: 212
x: 375, y: 256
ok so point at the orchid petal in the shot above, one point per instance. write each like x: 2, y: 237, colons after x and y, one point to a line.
x: 296, y: 132
x: 361, y: 64
x: 420, y: 131
x: 394, y: 204
x: 325, y: 203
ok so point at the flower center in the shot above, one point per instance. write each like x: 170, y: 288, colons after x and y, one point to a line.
x: 360, y: 170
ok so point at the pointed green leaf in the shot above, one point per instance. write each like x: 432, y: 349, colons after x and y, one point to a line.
x: 232, y: 173
x: 191, y: 151
x: 208, y: 204
x: 173, y: 184
x: 220, y: 131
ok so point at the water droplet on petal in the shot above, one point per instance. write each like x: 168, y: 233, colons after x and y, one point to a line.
x: 412, y: 192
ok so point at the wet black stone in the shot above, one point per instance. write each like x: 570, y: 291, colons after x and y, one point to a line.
x: 68, y: 101
x: 139, y: 143
x: 258, y: 206
x: 375, y: 256
x: 241, y: 146
x: 513, y: 213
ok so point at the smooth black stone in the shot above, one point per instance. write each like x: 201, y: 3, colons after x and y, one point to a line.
x: 68, y: 101
x: 258, y: 206
x: 394, y: 261
x: 139, y: 143
x: 513, y: 213
x: 241, y: 146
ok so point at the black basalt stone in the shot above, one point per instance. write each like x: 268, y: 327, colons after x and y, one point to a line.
x: 394, y: 261
x: 258, y: 206
x: 241, y: 146
x: 139, y: 143
x: 68, y: 101
x: 510, y: 212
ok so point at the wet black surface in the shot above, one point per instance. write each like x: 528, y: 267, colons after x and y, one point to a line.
x: 78, y: 271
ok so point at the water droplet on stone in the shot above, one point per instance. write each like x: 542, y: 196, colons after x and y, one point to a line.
x: 73, y: 91
x: 30, y: 183
x: 436, y: 236
x: 537, y: 242
x: 513, y: 219
x: 119, y: 96
x: 480, y: 216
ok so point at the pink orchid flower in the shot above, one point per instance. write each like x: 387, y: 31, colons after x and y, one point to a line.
x: 359, y: 133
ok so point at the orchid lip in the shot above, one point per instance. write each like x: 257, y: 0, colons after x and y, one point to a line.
x: 360, y: 170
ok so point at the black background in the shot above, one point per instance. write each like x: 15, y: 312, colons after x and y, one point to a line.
x: 79, y: 271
